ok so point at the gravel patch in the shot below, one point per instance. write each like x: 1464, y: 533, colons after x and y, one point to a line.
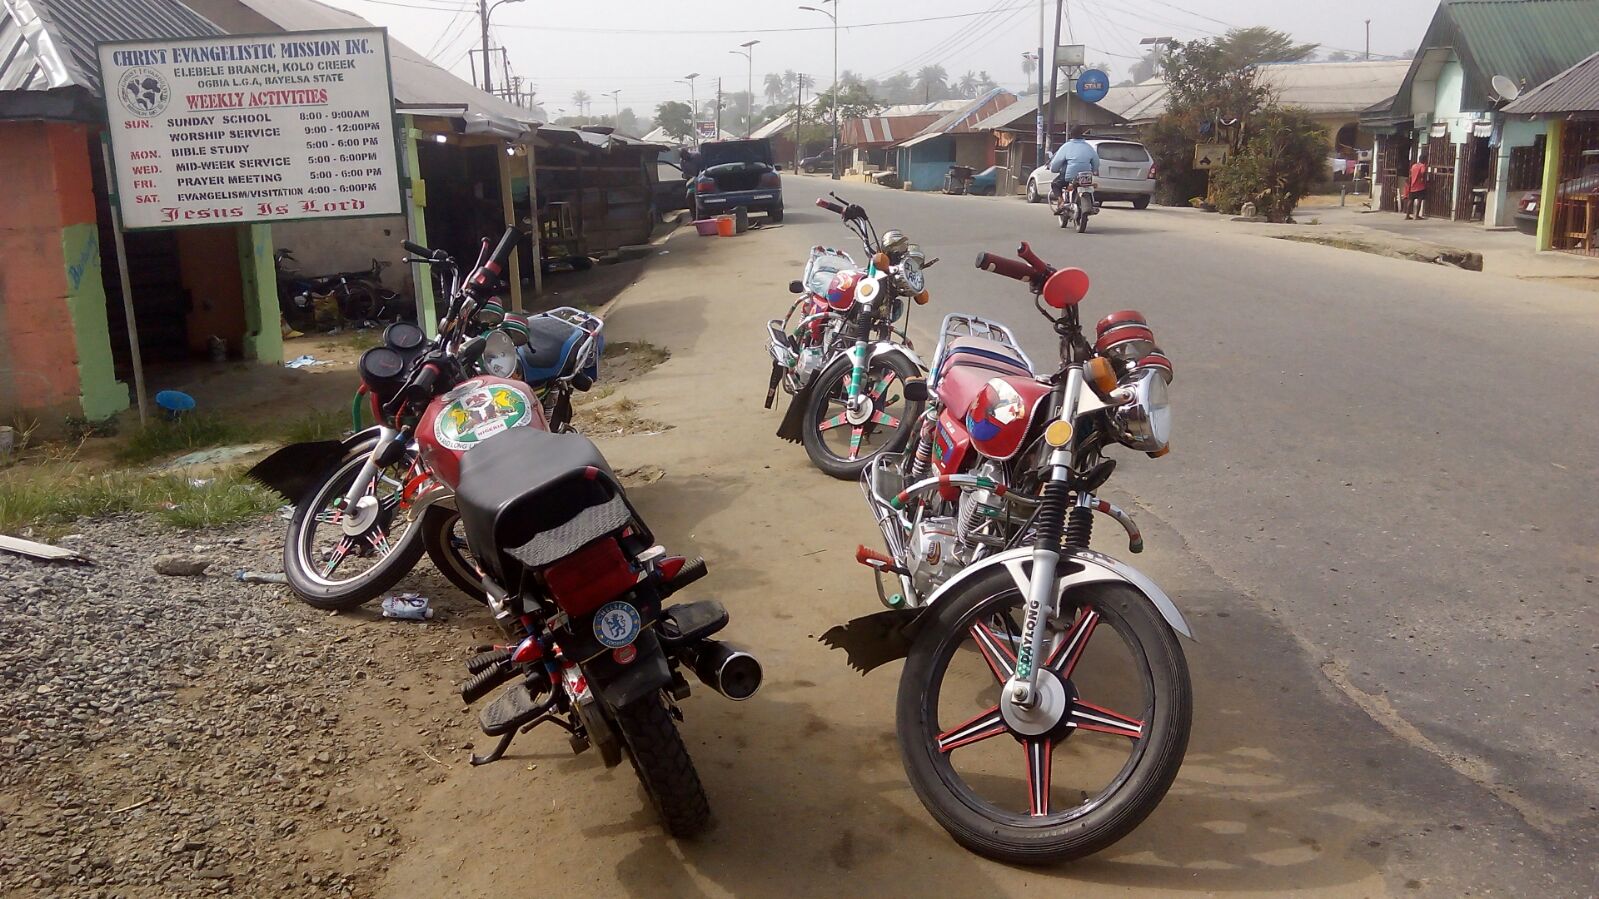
x: 182, y: 734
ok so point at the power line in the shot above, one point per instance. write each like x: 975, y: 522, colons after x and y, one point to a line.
x: 938, y: 48
x: 695, y: 31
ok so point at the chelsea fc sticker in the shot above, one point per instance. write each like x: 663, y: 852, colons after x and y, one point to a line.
x: 617, y: 624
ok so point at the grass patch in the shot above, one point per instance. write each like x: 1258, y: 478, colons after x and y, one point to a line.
x: 50, y: 502
x: 187, y: 434
x: 325, y: 425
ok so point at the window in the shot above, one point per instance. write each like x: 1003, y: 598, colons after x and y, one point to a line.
x: 1122, y: 152
x: 1526, y: 166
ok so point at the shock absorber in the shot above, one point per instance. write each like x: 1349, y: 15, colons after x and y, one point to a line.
x: 1051, y: 516
x: 924, y: 451
x: 1079, y: 527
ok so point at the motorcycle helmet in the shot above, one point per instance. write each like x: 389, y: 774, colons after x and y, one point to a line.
x: 841, y: 290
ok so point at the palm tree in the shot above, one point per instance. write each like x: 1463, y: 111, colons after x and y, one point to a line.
x: 775, y: 88
x: 580, y: 99
x: 932, y: 80
x: 967, y: 86
x: 1029, y: 66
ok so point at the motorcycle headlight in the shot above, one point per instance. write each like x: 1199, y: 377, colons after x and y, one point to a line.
x: 1143, y: 418
x: 499, y: 356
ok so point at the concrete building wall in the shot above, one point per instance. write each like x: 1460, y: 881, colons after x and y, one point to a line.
x: 55, y: 348
x: 343, y: 245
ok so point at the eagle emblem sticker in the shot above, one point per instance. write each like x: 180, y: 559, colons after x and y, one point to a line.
x: 617, y: 624
x: 475, y: 412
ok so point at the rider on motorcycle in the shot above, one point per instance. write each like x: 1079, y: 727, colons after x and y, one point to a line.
x: 1075, y: 156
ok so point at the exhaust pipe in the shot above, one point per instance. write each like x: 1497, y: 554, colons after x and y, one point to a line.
x: 724, y: 668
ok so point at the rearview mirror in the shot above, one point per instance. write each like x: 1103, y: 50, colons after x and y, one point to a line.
x: 930, y: 263
x: 796, y: 287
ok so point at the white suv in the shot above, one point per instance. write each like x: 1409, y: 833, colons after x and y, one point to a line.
x: 1126, y: 172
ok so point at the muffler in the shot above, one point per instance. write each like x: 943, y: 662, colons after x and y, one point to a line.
x: 724, y: 668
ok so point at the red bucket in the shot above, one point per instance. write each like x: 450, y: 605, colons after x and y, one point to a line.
x: 724, y: 226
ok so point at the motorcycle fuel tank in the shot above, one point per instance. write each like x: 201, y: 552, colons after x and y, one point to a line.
x: 459, y: 420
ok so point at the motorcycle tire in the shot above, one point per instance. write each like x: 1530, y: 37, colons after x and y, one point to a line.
x: 447, y: 553
x: 663, y: 766
x: 1011, y: 837
x: 342, y: 596
x: 1082, y: 220
x: 1065, y: 217
x: 816, y: 448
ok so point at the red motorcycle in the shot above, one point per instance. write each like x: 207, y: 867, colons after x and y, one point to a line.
x: 988, y: 522
x: 570, y: 570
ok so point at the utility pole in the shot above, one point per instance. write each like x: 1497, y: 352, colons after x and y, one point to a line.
x: 1039, y: 124
x: 833, y: 16
x: 718, y: 107
x: 1054, y: 82
x: 693, y: 108
x: 483, y: 19
x: 749, y: 84
x: 1368, y: 39
x: 799, y: 106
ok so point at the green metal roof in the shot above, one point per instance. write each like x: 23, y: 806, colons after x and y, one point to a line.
x: 1527, y: 41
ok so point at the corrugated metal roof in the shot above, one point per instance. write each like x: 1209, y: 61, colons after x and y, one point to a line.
x: 1527, y: 41
x: 1328, y: 87
x: 1022, y: 114
x: 47, y: 44
x: 1574, y: 90
x: 966, y: 117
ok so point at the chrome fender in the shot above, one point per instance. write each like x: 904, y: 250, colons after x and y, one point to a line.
x: 885, y: 348
x: 1092, y: 568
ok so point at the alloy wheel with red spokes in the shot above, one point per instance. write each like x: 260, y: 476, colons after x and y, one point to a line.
x: 1080, y: 767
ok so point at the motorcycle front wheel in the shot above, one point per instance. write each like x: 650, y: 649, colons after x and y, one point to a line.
x: 663, y: 766
x: 1116, y: 710
x: 841, y: 442
x: 335, y: 570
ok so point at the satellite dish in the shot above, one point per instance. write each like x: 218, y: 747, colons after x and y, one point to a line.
x: 1505, y: 88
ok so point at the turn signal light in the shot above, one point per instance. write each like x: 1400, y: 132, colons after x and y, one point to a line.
x: 881, y: 261
x: 1101, y: 374
x: 922, y: 298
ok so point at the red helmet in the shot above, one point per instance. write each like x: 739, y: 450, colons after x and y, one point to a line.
x: 1001, y: 415
x: 841, y: 290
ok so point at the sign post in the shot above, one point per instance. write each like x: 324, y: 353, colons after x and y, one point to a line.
x: 242, y: 129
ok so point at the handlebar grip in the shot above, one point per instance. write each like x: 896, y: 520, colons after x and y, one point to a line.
x: 830, y: 206
x: 415, y: 248
x: 425, y: 379
x: 507, y: 241
x: 1002, y: 265
x: 1031, y: 258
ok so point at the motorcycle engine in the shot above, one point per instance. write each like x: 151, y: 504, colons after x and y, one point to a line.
x: 935, y: 553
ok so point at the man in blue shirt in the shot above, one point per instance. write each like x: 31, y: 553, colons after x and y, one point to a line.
x: 1074, y: 156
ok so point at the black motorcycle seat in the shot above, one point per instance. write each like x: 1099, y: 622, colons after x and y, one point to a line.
x: 980, y: 352
x: 551, y: 350
x: 530, y: 494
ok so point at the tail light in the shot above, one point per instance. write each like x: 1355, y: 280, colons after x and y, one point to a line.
x: 704, y: 186
x: 1151, y: 174
x: 771, y: 179
x: 590, y: 577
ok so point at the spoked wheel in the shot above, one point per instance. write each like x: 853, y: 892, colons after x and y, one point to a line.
x: 445, y: 540
x: 1081, y: 768
x: 842, y: 439
x: 337, y: 558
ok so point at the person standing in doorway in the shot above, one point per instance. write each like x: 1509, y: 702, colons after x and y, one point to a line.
x: 1416, y: 187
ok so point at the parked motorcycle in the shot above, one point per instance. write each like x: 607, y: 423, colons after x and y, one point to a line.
x: 798, y: 353
x: 368, y: 506
x: 987, y: 524
x: 1073, y: 207
x: 358, y: 296
x: 869, y: 391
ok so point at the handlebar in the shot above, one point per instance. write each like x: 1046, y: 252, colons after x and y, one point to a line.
x: 481, y: 280
x: 425, y: 379
x: 1028, y: 268
x: 830, y: 206
x: 507, y: 241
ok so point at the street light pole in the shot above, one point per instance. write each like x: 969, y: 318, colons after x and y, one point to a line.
x: 834, y: 17
x: 693, y: 108
x: 616, y: 105
x: 749, y: 84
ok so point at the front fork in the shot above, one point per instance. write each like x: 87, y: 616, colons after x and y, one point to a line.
x: 1042, y: 595
x: 350, y: 505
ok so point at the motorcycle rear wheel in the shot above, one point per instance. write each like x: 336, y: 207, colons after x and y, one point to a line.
x: 301, y: 560
x: 662, y: 764
x: 448, y: 551
x: 1040, y: 830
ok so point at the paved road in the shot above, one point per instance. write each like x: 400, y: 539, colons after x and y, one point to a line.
x: 1395, y: 461
x: 1328, y: 758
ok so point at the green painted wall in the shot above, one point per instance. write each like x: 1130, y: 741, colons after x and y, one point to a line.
x: 102, y: 394
x: 416, y: 214
x: 263, y: 331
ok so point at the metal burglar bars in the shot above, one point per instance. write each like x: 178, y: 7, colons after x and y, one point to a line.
x: 1576, y: 227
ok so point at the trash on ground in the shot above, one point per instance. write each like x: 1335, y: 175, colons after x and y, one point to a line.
x: 42, y: 551
x: 306, y: 361
x: 286, y: 513
x: 215, y: 455
x: 181, y: 566
x: 261, y: 577
x: 409, y: 606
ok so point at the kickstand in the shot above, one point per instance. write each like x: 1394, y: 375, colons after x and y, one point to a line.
x: 499, y: 750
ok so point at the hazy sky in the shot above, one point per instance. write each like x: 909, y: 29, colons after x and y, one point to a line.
x: 642, y: 47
